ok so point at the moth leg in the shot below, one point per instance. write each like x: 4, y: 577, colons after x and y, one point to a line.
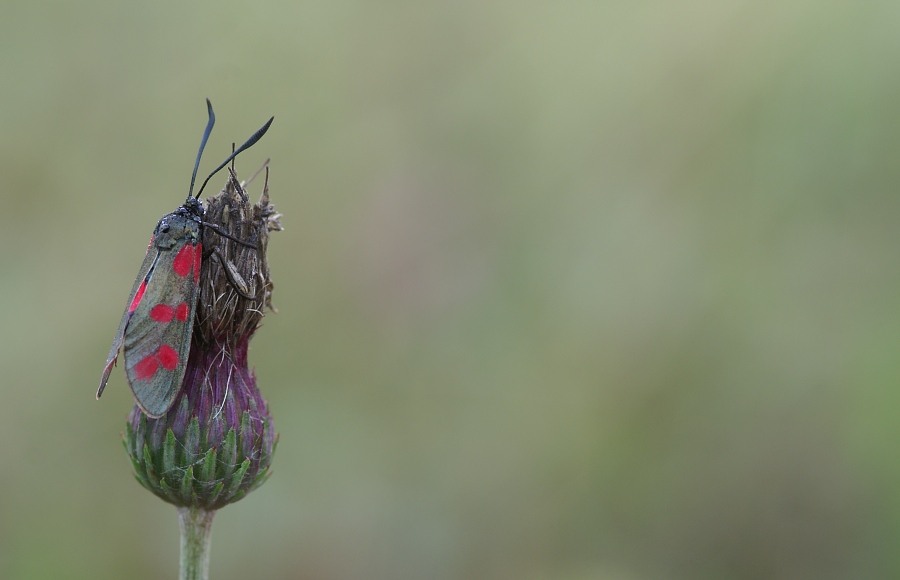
x: 225, y: 234
x: 237, y: 283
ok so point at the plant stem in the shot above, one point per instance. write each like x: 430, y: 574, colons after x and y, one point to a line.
x: 196, y: 536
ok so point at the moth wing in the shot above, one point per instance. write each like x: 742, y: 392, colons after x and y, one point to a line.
x: 157, y: 337
x: 146, y: 268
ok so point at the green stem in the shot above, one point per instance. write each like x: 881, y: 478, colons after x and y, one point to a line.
x: 196, y: 534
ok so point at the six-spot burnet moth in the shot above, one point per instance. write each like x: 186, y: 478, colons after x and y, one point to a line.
x: 159, y: 317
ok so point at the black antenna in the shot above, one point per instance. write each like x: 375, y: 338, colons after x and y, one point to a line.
x: 249, y: 143
x: 209, y: 126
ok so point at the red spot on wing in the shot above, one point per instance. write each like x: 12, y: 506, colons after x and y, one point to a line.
x: 167, y: 356
x: 147, y: 367
x: 183, y: 260
x: 162, y: 313
x: 198, y: 256
x: 137, y: 296
x: 181, y: 312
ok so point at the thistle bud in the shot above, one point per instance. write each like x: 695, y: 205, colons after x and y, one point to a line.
x: 216, y: 442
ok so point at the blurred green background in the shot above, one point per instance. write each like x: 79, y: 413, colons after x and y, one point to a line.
x: 574, y: 290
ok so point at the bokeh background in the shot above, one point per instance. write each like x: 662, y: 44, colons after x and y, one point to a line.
x: 567, y: 290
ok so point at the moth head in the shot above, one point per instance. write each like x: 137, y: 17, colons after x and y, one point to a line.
x: 193, y: 207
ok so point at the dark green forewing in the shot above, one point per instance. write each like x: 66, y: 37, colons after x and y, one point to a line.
x: 139, y: 285
x: 156, y: 329
x: 158, y: 334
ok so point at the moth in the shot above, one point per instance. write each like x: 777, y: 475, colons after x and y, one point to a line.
x: 155, y: 331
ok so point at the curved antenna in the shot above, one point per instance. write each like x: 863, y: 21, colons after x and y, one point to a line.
x: 209, y: 126
x: 249, y: 143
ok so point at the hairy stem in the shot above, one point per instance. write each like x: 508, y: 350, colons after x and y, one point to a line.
x: 196, y: 536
